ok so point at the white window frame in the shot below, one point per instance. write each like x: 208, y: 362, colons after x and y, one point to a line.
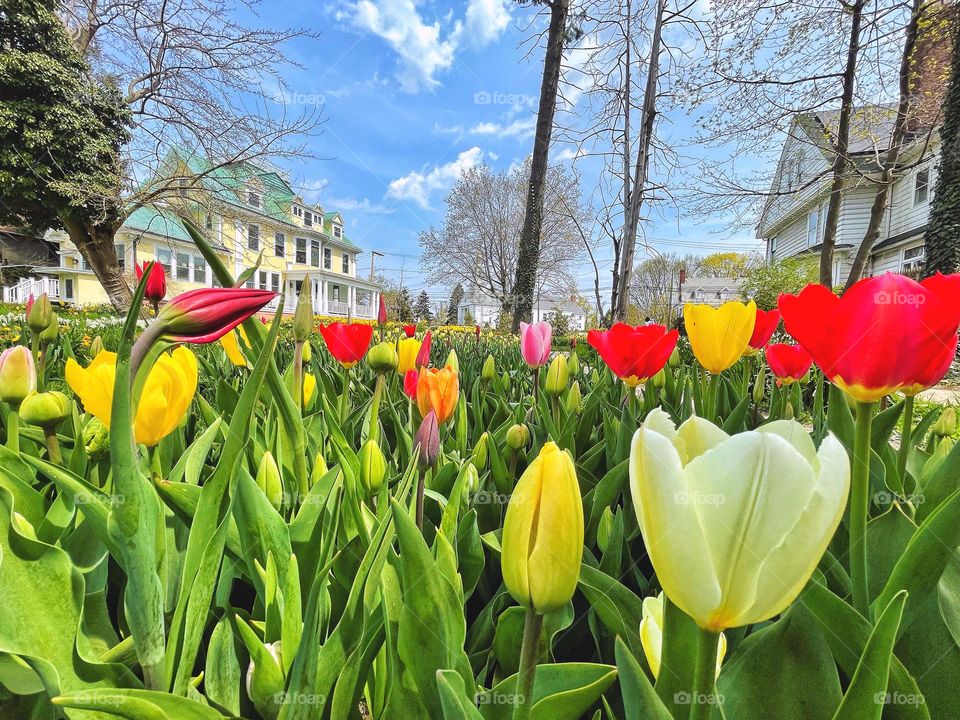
x: 250, y: 244
x: 297, y: 250
x: 914, y: 262
x: 924, y: 188
x: 279, y: 241
x: 337, y: 231
x: 254, y: 198
x: 171, y: 264
x: 345, y: 264
x: 178, y: 267
x: 327, y: 259
x: 813, y: 233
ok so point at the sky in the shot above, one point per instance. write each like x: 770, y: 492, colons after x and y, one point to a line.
x: 415, y: 91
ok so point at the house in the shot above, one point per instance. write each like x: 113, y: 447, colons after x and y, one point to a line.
x: 709, y: 291
x: 247, y: 211
x: 479, y: 308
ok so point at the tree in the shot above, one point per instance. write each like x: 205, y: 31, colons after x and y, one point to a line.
x: 725, y: 264
x: 764, y: 283
x: 528, y: 257
x: 478, y: 243
x: 654, y: 287
x: 456, y: 297
x: 403, y: 311
x: 421, y: 311
x: 61, y: 131
x: 942, y: 238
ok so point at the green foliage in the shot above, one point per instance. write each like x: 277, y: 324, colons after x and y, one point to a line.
x: 764, y: 283
x: 456, y: 297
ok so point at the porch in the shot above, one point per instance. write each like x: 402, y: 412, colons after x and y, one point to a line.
x: 19, y: 294
x: 339, y: 298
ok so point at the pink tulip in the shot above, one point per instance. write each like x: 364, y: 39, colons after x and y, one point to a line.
x: 535, y: 343
x: 207, y: 314
x: 382, y: 312
x: 423, y: 357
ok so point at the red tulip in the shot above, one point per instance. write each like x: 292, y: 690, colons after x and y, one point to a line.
x: 156, y: 288
x: 410, y: 383
x: 763, y: 328
x: 423, y: 357
x: 886, y: 334
x: 634, y: 354
x: 476, y: 331
x: 30, y: 301
x: 382, y: 312
x: 788, y: 363
x: 409, y: 330
x: 347, y: 343
x: 207, y: 314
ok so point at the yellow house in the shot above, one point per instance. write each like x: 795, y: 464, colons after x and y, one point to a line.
x: 248, y: 213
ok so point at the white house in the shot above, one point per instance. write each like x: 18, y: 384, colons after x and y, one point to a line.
x: 485, y: 310
x: 792, y: 223
x: 709, y: 291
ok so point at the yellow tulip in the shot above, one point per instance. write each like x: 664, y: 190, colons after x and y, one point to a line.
x: 309, y: 386
x: 543, y: 533
x: 735, y: 525
x: 651, y: 635
x: 407, y: 350
x: 719, y: 336
x: 166, y: 396
x: 232, y: 347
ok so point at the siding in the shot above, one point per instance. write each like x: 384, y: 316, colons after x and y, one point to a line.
x: 792, y: 239
x: 904, y: 214
x: 855, y: 216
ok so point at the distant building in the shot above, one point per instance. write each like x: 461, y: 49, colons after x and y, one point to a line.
x: 710, y: 291
x: 485, y: 310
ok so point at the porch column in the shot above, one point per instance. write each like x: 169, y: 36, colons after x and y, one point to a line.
x: 352, y: 295
x: 323, y: 297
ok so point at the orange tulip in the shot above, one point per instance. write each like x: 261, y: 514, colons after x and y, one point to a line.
x: 438, y: 390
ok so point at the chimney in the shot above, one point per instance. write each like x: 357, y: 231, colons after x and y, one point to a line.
x: 930, y: 64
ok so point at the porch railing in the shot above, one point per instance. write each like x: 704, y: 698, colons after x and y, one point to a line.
x: 22, y: 291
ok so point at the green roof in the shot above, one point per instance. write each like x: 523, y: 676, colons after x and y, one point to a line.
x: 157, y: 221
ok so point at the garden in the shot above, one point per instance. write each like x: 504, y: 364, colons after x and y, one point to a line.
x: 210, y: 513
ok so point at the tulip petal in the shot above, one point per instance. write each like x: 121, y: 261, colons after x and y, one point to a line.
x: 795, y: 434
x: 699, y: 435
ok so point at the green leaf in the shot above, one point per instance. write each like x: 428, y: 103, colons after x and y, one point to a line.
x: 618, y: 608
x: 456, y: 703
x: 640, y: 700
x: 561, y: 691
x: 139, y: 705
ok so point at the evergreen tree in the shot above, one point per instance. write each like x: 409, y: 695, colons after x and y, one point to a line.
x: 404, y: 308
x: 942, y: 238
x: 456, y: 297
x: 422, y: 309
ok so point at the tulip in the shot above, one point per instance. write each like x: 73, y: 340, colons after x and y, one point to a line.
x: 946, y: 424
x: 382, y: 358
x: 423, y: 357
x: 309, y: 387
x: 719, y: 336
x: 439, y: 391
x: 735, y: 526
x: 763, y: 329
x: 264, y: 680
x: 634, y: 354
x: 760, y: 385
x: 489, y: 370
x: 788, y: 363
x: 605, y: 528
x: 574, y: 363
x: 674, y: 360
x: 427, y: 440
x: 373, y: 467
x: 166, y: 396
x: 886, y: 334
x: 39, y: 314
x: 518, y: 436
x: 505, y: 381
x: 232, y: 347
x: 204, y: 315
x: 407, y: 351
x: 452, y: 361
x: 409, y: 330
x: 319, y: 469
x: 574, y: 399
x: 382, y: 312
x: 45, y: 409
x: 479, y: 455
x: 651, y: 635
x: 472, y: 477
x: 268, y: 480
x: 97, y: 346
x: 535, y: 343
x: 96, y: 438
x: 307, y: 349
x: 156, y: 281
x: 410, y: 384
x: 557, y: 376
x: 347, y: 343
x: 18, y: 375
x: 303, y: 315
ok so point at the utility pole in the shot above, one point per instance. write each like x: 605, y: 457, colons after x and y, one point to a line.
x: 373, y: 254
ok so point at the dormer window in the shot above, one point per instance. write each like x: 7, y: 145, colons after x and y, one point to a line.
x: 307, y: 219
x: 346, y: 264
x: 253, y: 198
x: 337, y: 231
x: 297, y: 211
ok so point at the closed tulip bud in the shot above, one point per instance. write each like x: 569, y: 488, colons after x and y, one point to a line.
x: 674, y: 360
x: 382, y: 358
x: 574, y: 398
x: 319, y: 469
x: 479, y: 455
x: 268, y: 480
x: 788, y: 412
x: 939, y: 454
x: 735, y: 525
x: 46, y: 409
x: 303, y: 315
x: 558, y: 376
x: 452, y: 360
x: 518, y: 436
x: 505, y: 381
x: 50, y: 332
x: 307, y: 351
x: 265, y: 682
x: 472, y: 477
x: 96, y: 438
x: 573, y: 364
x: 594, y: 377
x: 96, y: 347
x: 18, y: 374
x: 373, y: 467
x: 543, y: 533
x: 659, y: 380
x: 39, y: 314
x: 946, y: 424
x: 489, y: 369
x: 605, y: 528
x: 428, y: 440
x: 651, y: 635
x: 760, y: 385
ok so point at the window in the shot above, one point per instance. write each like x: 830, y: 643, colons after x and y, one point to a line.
x: 183, y: 266
x: 345, y: 265
x: 68, y: 288
x: 307, y: 219
x: 921, y: 186
x: 326, y: 258
x: 121, y: 256
x: 182, y: 184
x: 813, y: 227
x: 337, y: 231
x: 262, y: 284
x: 336, y: 293
x: 199, y: 270
x: 315, y: 253
x: 297, y: 211
x: 275, y: 282
x: 165, y: 258
x: 912, y: 259
x: 208, y: 222
x: 253, y: 237
x: 253, y: 198
x: 301, y: 251
x: 279, y: 243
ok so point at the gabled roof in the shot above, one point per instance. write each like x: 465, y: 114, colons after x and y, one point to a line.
x: 157, y: 221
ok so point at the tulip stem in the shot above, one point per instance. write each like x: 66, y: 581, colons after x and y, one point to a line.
x: 859, y: 507
x: 53, y: 445
x: 703, y: 699
x: 298, y: 374
x: 420, y: 488
x: 13, y: 428
x: 529, y: 652
x: 905, y: 442
x: 373, y: 432
x: 345, y: 396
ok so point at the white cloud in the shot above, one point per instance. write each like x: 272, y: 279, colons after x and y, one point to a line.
x: 518, y: 128
x: 418, y: 186
x: 362, y: 205
x: 423, y: 48
x: 568, y: 153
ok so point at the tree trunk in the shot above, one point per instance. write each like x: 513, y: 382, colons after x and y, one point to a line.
x: 525, y: 277
x: 615, y: 285
x: 95, y: 241
x: 841, y: 161
x: 889, y: 169
x: 647, y: 119
x: 942, y: 239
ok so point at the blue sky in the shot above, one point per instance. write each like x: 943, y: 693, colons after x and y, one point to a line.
x: 413, y: 91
